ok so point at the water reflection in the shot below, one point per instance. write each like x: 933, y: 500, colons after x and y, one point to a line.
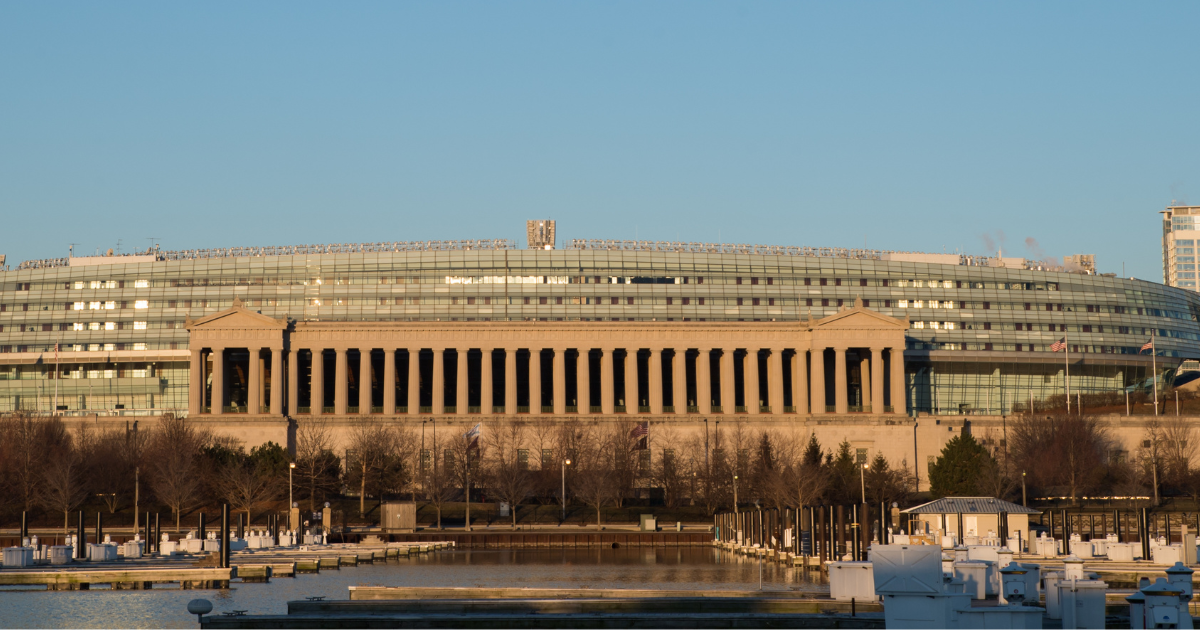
x: 670, y: 568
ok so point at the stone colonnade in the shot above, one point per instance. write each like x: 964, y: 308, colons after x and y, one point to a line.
x: 655, y: 368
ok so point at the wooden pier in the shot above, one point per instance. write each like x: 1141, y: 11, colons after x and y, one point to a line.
x: 121, y: 579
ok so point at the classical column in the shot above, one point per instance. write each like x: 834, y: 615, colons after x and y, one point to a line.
x: 775, y: 382
x: 607, y: 381
x: 439, y: 381
x: 877, y: 380
x: 656, y: 381
x: 800, y: 380
x: 631, y: 380
x: 262, y: 379
x: 341, y: 381
x: 195, y: 383
x: 840, y: 405
x: 818, y: 380
x: 389, y: 381
x: 679, y: 381
x: 728, y: 397
x: 293, y: 378
x: 253, y: 383
x: 510, y: 381
x: 864, y: 377
x: 485, y: 381
x: 276, y: 382
x: 414, y: 381
x: 899, y: 406
x: 316, y: 396
x: 364, y: 380
x: 704, y: 380
x: 583, y: 381
x: 535, y: 380
x: 462, y: 379
x: 560, y: 381
x: 218, y: 381
x: 750, y: 382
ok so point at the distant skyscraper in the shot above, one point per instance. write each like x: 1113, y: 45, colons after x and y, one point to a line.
x: 1181, y: 231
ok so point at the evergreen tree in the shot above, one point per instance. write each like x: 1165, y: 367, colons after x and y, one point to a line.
x: 960, y: 469
x: 843, y: 475
x: 812, y: 452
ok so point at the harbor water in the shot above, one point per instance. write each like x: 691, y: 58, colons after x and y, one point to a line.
x: 632, y: 568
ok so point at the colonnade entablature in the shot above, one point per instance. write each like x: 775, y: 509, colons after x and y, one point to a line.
x: 244, y: 362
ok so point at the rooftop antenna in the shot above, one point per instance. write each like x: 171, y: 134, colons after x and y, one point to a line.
x: 153, y: 242
x: 118, y: 246
x: 71, y: 249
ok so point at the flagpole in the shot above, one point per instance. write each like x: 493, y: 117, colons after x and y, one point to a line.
x: 1154, y: 366
x: 1067, y: 368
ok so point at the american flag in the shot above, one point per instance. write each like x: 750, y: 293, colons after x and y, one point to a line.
x: 640, y: 430
x: 1149, y: 345
x: 1059, y: 345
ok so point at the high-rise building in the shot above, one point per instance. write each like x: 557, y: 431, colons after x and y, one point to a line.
x: 1181, y: 231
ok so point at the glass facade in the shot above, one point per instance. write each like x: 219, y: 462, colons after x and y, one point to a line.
x: 979, y: 337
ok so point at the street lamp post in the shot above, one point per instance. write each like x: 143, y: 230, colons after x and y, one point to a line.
x: 735, y: 501
x: 566, y: 462
x: 862, y: 477
x: 291, y: 467
x: 1024, y: 498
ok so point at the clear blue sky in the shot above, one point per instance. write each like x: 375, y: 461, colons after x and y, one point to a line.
x: 904, y: 125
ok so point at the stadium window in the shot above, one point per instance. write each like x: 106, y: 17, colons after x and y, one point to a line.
x: 770, y: 301
x: 987, y: 305
x: 837, y: 282
x: 613, y: 301
x: 862, y: 282
x: 754, y: 301
x: 824, y: 282
x: 629, y: 301
x: 686, y: 301
x: 808, y: 301
x: 867, y: 303
x: 739, y: 301
x: 701, y: 301
x: 808, y: 282
x: 669, y: 301
x: 770, y: 281
x: 824, y: 301
x: 753, y: 280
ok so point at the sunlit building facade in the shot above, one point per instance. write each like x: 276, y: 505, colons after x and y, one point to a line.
x: 596, y: 328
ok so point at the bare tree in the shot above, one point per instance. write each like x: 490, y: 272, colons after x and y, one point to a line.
x: 594, y: 480
x: 508, y: 476
x: 176, y: 472
x: 1070, y: 452
x: 25, y: 441
x: 110, y: 458
x: 64, y: 484
x: 438, y: 480
x: 371, y: 458
x: 247, y: 486
x: 316, y: 465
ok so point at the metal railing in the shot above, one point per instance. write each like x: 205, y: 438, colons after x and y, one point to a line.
x: 295, y: 250
x: 618, y: 408
x: 547, y: 408
x: 326, y: 409
x: 351, y: 409
x: 572, y: 408
x: 595, y: 409
x: 739, y: 409
x: 425, y: 409
x: 522, y: 408
x: 789, y: 409
x: 303, y: 409
x: 718, y: 409
x: 693, y: 408
x: 668, y: 408
x: 450, y: 409
x: 497, y: 408
x: 643, y: 409
x: 375, y: 409
x: 764, y: 409
x: 474, y: 409
x: 692, y: 247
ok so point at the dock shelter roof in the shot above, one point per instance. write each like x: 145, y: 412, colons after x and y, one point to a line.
x: 969, y: 505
